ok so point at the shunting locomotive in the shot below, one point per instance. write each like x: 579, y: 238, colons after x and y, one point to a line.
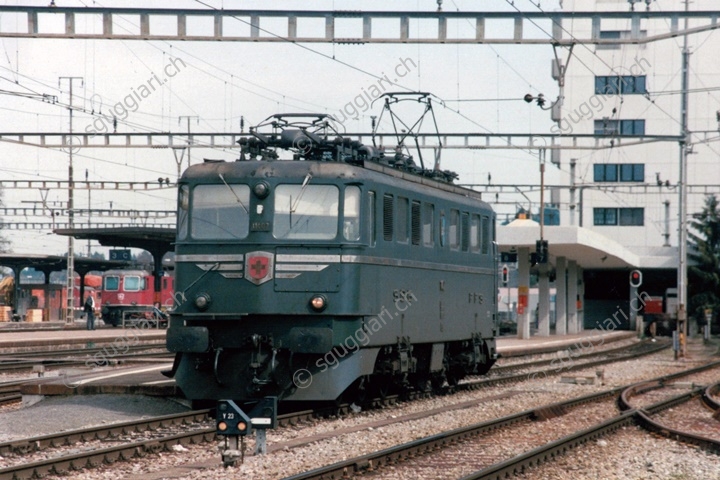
x: 336, y: 272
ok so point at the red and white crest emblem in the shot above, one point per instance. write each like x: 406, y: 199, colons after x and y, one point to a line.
x: 259, y: 267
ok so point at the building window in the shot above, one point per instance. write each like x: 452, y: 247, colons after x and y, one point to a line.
x: 632, y: 217
x: 632, y: 172
x: 620, y: 85
x: 607, y: 126
x: 605, y: 216
x: 605, y: 172
x: 619, y: 216
x: 623, y: 172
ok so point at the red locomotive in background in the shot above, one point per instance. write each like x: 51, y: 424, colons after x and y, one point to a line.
x: 129, y: 294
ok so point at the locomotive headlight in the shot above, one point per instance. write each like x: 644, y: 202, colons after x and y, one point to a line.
x: 261, y: 190
x: 318, y: 303
x: 202, y: 301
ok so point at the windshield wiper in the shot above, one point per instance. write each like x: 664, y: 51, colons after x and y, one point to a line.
x: 233, y: 192
x: 308, y: 177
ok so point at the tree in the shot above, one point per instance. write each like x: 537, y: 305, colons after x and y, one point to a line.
x: 704, y: 251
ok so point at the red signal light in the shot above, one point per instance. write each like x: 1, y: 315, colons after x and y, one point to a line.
x: 635, y: 278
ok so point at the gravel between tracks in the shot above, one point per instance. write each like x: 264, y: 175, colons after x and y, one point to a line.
x: 203, y: 461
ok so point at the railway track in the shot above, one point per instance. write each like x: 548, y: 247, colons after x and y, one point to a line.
x: 127, y: 450
x: 69, y: 358
x: 634, y: 351
x: 546, y: 451
x: 653, y: 401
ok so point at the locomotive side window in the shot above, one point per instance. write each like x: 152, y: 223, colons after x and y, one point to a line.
x: 112, y: 283
x: 442, y: 229
x: 402, y: 220
x: 307, y: 212
x: 182, y: 215
x: 351, y: 214
x: 132, y: 283
x: 416, y: 223
x: 371, y: 218
x: 428, y: 215
x: 475, y: 233
x: 485, y: 234
x: 465, y: 235
x: 388, y: 217
x: 454, y: 229
x: 220, y: 211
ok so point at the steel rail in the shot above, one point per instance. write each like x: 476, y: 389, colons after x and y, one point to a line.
x: 63, y: 465
x: 500, y: 470
x: 538, y: 363
x: 112, y: 454
x: 709, y: 397
x: 652, y: 348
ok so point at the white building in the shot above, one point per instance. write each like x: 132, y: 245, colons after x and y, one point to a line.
x: 630, y: 194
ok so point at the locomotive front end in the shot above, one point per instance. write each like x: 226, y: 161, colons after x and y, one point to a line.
x: 261, y: 293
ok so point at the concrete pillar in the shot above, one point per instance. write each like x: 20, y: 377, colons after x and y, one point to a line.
x: 523, y: 323
x: 581, y: 296
x: 572, y: 297
x: 560, y: 297
x: 544, y: 301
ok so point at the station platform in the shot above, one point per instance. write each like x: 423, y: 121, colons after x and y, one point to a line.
x: 147, y: 379
x: 20, y: 341
x: 515, y: 347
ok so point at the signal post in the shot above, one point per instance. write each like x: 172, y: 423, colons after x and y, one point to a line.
x: 635, y: 282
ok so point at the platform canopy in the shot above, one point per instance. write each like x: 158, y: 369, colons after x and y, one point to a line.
x: 54, y: 263
x: 588, y: 248
x: 153, y: 239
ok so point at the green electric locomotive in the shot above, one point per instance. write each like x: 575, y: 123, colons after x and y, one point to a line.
x: 340, y: 272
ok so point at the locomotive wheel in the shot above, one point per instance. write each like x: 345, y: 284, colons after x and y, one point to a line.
x: 439, y: 383
x: 484, y: 368
x: 381, y: 386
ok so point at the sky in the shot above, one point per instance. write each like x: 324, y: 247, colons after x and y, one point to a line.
x: 157, y: 85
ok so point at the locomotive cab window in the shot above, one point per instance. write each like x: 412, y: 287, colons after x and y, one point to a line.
x: 132, y: 283
x: 220, y: 211
x: 371, y: 218
x: 351, y: 214
x: 112, y: 283
x: 182, y: 215
x: 306, y: 212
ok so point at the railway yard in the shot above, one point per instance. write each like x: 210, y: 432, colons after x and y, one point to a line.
x: 620, y: 409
